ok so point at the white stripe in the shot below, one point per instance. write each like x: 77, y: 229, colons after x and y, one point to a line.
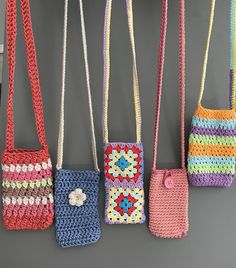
x: 28, y: 200
x: 30, y: 167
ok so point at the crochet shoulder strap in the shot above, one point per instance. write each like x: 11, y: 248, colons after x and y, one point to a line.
x: 233, y: 61
x: 232, y: 55
x: 61, y: 127
x: 161, y: 59
x: 106, y: 79
x: 11, y: 32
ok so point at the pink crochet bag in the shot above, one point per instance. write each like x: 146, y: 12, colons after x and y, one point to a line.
x: 168, y: 196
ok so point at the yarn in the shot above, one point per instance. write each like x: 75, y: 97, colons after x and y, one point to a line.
x: 212, y: 141
x: 27, y: 190
x: 168, y: 195
x: 168, y: 206
x: 26, y: 174
x: 232, y: 96
x: 123, y: 162
x: 212, y: 148
x: 123, y: 170
x: 77, y: 225
x: 76, y: 191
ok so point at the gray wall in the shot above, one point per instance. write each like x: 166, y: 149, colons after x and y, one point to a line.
x: 2, y: 23
x: 2, y: 19
x: 211, y: 240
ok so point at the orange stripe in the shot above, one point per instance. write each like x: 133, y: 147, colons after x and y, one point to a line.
x: 211, y: 150
x: 215, y: 114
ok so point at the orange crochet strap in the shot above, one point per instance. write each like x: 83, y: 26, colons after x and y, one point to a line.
x: 11, y: 30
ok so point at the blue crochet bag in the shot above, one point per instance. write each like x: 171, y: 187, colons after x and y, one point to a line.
x: 76, y: 191
x: 77, y: 225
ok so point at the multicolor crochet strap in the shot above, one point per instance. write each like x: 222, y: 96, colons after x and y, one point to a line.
x: 76, y: 191
x: 168, y: 195
x: 232, y: 95
x: 212, y: 143
x: 123, y: 162
x: 27, y: 174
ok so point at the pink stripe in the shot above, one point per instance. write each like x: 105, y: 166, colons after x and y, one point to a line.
x: 30, y: 211
x: 27, y: 175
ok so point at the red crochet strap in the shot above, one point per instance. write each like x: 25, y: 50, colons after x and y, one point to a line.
x: 11, y: 29
x: 161, y: 60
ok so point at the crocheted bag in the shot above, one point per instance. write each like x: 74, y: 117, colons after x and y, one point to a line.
x: 123, y: 162
x: 212, y: 143
x: 168, y: 196
x: 26, y: 174
x: 76, y: 191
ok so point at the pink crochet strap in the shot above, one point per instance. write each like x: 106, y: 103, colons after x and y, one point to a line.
x: 11, y: 31
x: 161, y: 60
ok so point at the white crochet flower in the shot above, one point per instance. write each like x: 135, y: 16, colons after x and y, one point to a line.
x: 77, y: 197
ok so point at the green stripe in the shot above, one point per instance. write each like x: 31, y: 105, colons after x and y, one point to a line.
x: 205, y: 168
x: 212, y: 140
x: 25, y: 184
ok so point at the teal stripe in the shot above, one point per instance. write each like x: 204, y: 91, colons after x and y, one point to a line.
x: 213, y: 123
x: 196, y: 160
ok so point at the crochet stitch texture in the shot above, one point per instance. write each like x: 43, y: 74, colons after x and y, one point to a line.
x: 123, y: 162
x: 169, y: 205
x: 123, y: 169
x: 27, y: 190
x: 76, y: 191
x: 77, y: 226
x: 27, y: 174
x: 168, y: 195
x: 212, y: 142
x: 212, y: 148
x: 232, y: 96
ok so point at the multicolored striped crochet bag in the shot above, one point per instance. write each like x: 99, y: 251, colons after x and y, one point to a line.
x: 26, y: 174
x: 76, y: 191
x: 168, y: 195
x: 123, y: 162
x: 212, y: 142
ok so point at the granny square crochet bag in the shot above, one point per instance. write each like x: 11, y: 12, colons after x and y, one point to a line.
x: 168, y: 196
x: 212, y: 141
x: 123, y: 162
x: 26, y: 174
x: 76, y: 191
